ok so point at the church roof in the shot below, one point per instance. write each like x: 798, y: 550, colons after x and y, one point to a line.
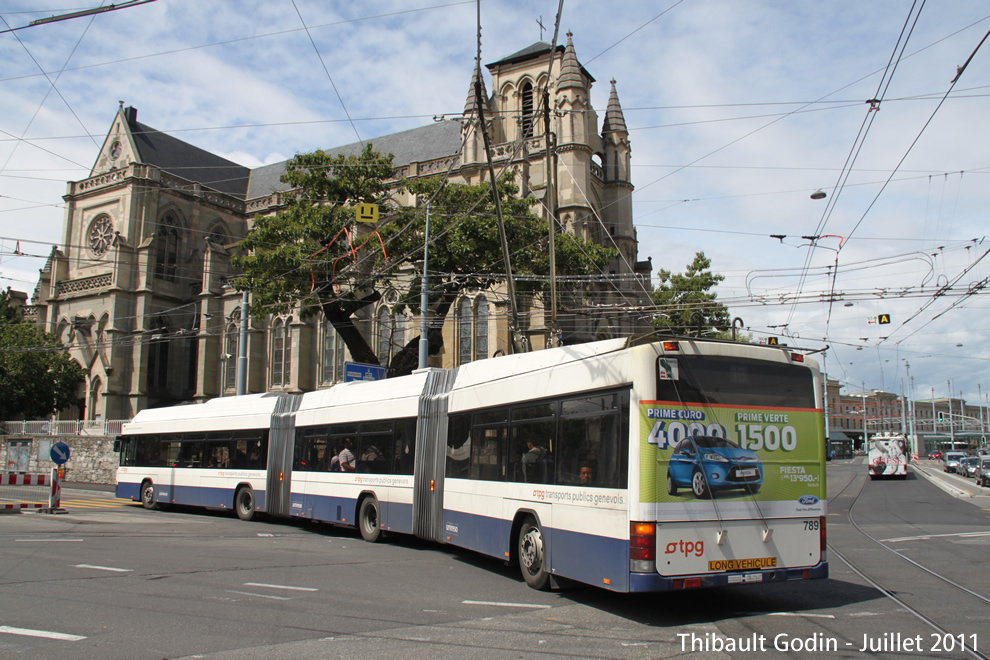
x: 187, y: 161
x: 436, y: 140
x: 530, y: 52
x: 538, y: 49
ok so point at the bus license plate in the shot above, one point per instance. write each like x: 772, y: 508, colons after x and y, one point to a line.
x: 746, y: 473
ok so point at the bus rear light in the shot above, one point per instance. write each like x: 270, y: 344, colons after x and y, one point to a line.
x: 671, y: 346
x: 821, y: 532
x: 642, y: 542
x: 797, y: 357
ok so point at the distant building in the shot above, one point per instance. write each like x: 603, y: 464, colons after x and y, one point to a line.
x: 137, y: 288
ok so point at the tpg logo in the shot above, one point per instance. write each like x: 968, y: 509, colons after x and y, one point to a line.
x: 697, y: 548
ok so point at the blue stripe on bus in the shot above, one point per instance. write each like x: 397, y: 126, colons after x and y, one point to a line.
x: 586, y: 558
x: 220, y: 498
x: 395, y: 516
x: 640, y: 582
x: 591, y: 559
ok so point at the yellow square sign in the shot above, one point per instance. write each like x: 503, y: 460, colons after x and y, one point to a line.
x: 367, y: 213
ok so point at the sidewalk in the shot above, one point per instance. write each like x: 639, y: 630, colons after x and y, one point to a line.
x: 965, y: 489
x: 79, y: 485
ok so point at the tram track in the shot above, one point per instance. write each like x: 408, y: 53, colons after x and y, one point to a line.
x: 879, y: 583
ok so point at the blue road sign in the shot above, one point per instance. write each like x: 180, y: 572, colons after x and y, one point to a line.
x: 358, y: 371
x: 60, y: 453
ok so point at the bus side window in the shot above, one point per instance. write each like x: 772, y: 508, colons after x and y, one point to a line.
x: 405, y: 446
x: 459, y: 447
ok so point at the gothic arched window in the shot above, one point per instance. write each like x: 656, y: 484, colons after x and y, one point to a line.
x: 281, y: 361
x: 384, y: 335
x: 167, y: 247
x: 332, y: 355
x: 464, y: 322
x: 230, y: 344
x: 94, y: 398
x: 527, y: 110
x: 481, y: 328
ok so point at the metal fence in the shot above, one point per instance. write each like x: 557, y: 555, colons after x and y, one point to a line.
x: 101, y: 427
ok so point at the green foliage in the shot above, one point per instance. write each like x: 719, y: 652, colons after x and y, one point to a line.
x: 466, y: 247
x: 37, y: 376
x: 688, y: 303
x: 301, y: 255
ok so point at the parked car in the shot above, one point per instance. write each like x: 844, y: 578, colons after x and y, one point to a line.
x: 983, y: 474
x: 952, y: 459
x: 935, y: 455
x: 968, y: 466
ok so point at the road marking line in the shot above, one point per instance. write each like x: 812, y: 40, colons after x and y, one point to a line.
x: 26, y: 632
x: 104, y: 568
x: 278, y: 586
x: 928, y: 537
x: 248, y: 593
x: 47, y: 540
x: 496, y: 604
x: 813, y: 616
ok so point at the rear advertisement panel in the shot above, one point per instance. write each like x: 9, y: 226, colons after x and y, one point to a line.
x: 707, y: 460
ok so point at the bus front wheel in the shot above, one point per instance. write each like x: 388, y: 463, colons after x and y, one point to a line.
x: 368, y: 520
x: 531, y: 555
x: 148, y: 496
x: 244, y: 503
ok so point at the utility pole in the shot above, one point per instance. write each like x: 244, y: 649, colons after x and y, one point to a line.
x: 242, y: 347
x: 424, y: 298
x: 952, y: 431
x: 864, y: 415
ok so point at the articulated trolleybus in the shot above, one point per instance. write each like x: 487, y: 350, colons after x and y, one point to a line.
x: 631, y: 465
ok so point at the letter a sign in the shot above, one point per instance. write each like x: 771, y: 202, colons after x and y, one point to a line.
x: 772, y: 341
x: 883, y: 319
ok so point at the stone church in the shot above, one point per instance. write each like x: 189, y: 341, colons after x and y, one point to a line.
x: 139, y: 289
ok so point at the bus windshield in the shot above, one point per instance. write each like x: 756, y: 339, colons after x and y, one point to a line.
x: 720, y: 380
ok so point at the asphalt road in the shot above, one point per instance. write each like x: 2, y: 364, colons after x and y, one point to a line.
x: 110, y: 580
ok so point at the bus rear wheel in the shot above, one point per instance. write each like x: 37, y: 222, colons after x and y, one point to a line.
x: 244, y: 503
x: 148, y: 496
x: 531, y: 555
x: 368, y: 520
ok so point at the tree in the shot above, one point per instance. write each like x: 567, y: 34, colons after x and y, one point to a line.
x: 687, y: 304
x: 37, y: 376
x: 308, y: 255
x: 465, y: 249
x: 305, y: 253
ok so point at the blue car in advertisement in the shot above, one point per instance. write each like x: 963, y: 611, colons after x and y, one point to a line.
x: 705, y: 464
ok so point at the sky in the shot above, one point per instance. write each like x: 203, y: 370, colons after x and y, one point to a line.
x: 737, y: 110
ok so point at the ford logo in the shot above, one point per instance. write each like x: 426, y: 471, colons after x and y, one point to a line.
x: 808, y: 500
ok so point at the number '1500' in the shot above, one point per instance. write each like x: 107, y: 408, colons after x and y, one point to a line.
x: 769, y: 437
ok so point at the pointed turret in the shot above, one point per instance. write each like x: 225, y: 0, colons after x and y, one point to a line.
x: 471, y: 103
x: 570, y: 69
x: 614, y: 121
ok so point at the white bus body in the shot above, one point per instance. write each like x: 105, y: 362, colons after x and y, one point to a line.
x: 888, y: 456
x: 649, y: 467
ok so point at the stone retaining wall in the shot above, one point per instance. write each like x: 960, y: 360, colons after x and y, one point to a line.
x: 92, y: 459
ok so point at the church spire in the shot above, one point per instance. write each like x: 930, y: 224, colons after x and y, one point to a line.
x: 570, y: 69
x: 471, y: 104
x: 615, y: 122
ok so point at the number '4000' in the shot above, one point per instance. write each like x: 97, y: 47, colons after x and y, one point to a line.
x: 769, y: 437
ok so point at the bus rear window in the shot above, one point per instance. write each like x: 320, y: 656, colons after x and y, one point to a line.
x: 732, y: 381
